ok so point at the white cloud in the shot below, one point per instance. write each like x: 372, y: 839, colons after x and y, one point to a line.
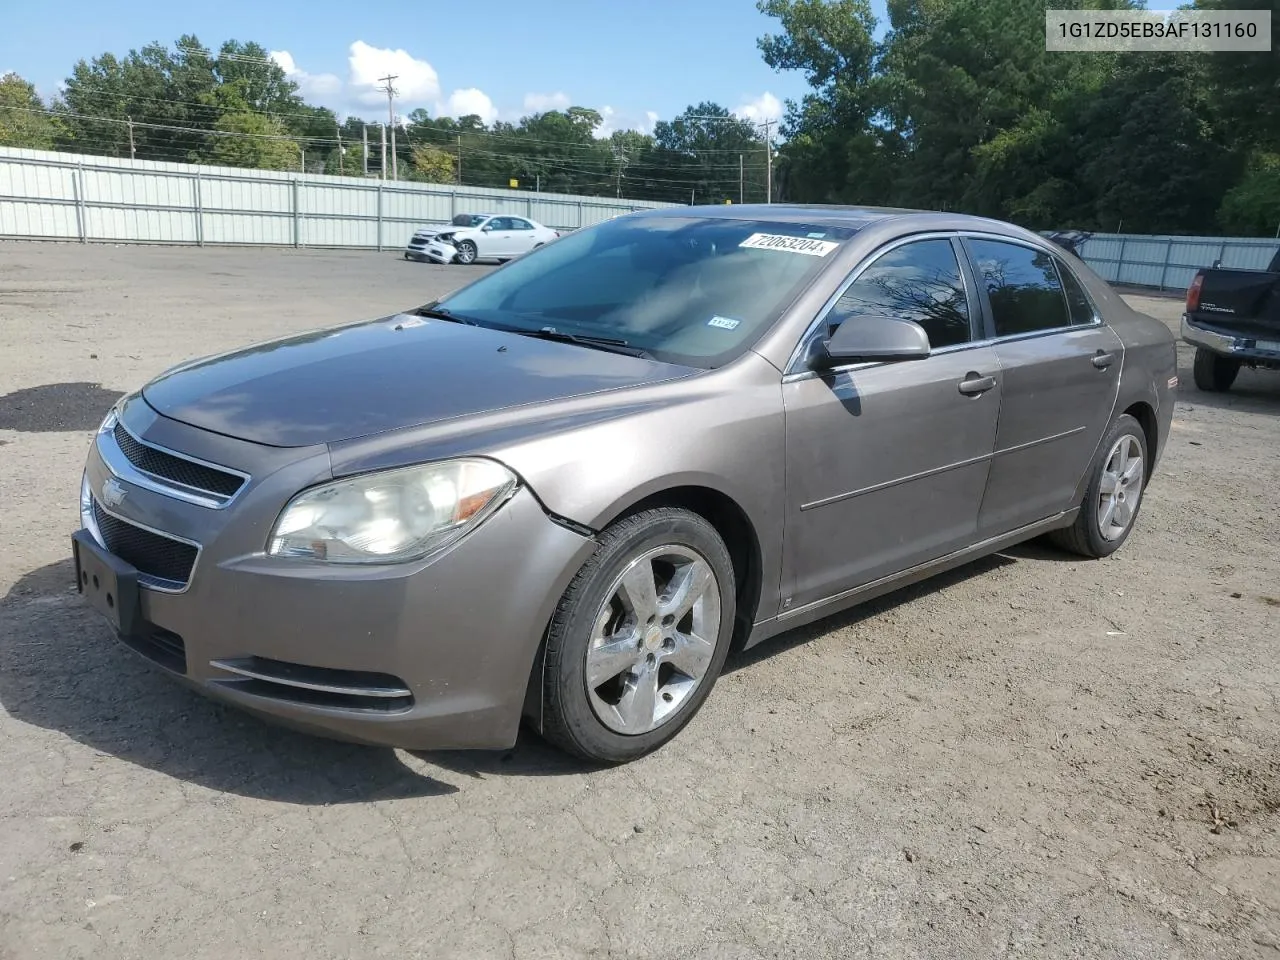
x: 613, y: 120
x: 462, y: 103
x: 762, y: 108
x: 312, y: 86
x: 542, y: 102
x: 416, y: 81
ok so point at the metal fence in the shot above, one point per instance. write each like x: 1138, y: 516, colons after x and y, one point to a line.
x: 1170, y: 263
x: 59, y: 196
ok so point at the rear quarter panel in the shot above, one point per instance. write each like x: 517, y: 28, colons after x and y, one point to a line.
x: 1150, y: 367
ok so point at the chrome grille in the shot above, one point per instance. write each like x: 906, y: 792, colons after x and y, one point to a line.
x: 175, y: 469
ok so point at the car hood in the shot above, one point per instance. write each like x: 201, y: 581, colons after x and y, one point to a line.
x: 367, y: 378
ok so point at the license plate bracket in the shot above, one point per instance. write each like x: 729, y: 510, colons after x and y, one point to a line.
x: 108, y: 584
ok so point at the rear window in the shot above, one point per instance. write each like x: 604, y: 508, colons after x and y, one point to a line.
x: 690, y: 290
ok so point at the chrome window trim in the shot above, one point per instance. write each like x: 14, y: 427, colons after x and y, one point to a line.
x: 794, y: 370
x: 115, y: 460
x: 159, y: 584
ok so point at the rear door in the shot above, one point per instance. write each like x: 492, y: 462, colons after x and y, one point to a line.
x: 1061, y: 374
x: 523, y: 236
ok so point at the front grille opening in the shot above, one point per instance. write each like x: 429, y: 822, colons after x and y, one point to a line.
x: 156, y: 557
x: 358, y: 690
x: 175, y: 469
x: 159, y: 645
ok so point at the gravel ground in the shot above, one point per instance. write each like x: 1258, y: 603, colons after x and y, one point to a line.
x: 1032, y: 756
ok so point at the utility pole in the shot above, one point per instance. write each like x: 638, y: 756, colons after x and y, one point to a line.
x: 364, y: 136
x: 768, y: 153
x: 390, y: 91
x: 342, y: 170
x: 303, y: 161
x: 133, y: 151
x: 459, y: 159
x: 620, y: 153
x: 740, y: 178
x: 384, y: 153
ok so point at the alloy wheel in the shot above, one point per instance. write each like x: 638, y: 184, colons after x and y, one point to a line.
x: 653, y: 640
x: 1121, y: 488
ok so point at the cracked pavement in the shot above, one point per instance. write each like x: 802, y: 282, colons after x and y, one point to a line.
x: 1029, y: 756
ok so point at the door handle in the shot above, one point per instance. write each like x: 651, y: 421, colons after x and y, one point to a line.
x: 974, y: 385
x: 1103, y: 360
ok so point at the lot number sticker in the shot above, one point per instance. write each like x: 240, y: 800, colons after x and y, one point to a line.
x: 777, y: 241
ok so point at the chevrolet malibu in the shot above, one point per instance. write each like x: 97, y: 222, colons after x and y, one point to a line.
x: 563, y: 493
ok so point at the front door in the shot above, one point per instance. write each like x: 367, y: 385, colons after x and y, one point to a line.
x: 1061, y: 376
x: 887, y: 463
x: 495, y: 238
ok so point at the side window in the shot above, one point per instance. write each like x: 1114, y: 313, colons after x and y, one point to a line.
x: 1026, y: 295
x: 917, y: 281
x: 1078, y: 304
x: 518, y: 224
x: 498, y: 223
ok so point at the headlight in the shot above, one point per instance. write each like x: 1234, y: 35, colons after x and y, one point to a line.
x: 391, y: 516
x: 446, y: 237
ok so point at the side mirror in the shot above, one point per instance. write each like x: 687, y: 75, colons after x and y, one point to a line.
x: 870, y: 338
x: 487, y: 228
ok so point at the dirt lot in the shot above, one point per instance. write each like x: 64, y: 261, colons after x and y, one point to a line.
x: 1034, y: 756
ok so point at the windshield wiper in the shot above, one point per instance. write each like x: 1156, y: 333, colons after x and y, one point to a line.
x: 440, y: 313
x: 611, y: 344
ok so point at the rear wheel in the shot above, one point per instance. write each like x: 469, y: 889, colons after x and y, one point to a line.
x: 1214, y: 373
x: 1114, y: 494
x: 639, y: 637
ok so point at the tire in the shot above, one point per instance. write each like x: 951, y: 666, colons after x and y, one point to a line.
x: 596, y: 619
x: 466, y: 252
x: 1086, y: 536
x: 1212, y: 373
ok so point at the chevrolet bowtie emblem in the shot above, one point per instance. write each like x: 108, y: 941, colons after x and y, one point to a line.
x: 113, y: 492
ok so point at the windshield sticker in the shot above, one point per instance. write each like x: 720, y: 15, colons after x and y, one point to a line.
x: 776, y: 241
x: 723, y: 323
x: 818, y: 235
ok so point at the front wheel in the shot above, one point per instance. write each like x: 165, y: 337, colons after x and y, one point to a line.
x: 639, y: 637
x: 466, y: 252
x: 1213, y: 373
x: 1114, y: 495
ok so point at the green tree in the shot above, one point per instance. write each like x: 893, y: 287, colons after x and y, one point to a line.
x: 432, y: 164
x: 255, y: 141
x: 23, y: 122
x: 1252, y: 207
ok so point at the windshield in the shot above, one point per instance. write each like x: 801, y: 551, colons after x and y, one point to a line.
x: 468, y: 220
x: 696, y: 291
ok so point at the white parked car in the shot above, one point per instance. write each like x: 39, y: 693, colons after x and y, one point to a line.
x: 472, y: 237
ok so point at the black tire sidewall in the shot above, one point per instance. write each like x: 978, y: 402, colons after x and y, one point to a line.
x: 1212, y: 372
x: 1099, y: 545
x: 565, y: 687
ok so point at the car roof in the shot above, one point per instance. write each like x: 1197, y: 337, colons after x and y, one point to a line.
x: 855, y: 217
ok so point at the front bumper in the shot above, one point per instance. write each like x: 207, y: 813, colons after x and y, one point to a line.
x: 431, y: 251
x: 1248, y: 349
x: 431, y: 654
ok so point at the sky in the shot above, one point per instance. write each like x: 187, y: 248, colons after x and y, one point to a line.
x: 635, y: 62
